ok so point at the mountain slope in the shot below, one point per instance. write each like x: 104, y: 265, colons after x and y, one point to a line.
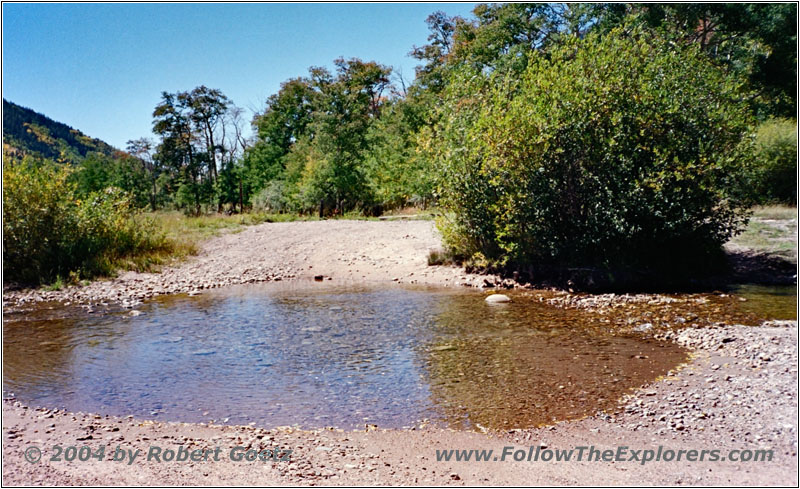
x: 26, y: 132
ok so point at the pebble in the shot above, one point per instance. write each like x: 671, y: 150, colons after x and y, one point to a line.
x: 498, y: 298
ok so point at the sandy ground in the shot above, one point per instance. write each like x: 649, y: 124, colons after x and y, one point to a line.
x: 739, y: 392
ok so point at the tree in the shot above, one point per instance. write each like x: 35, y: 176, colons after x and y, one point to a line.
x: 207, y: 109
x: 189, y: 124
x: 172, y: 121
x: 142, y: 149
x: 755, y: 41
x: 234, y: 145
x: 98, y: 172
x: 283, y: 122
x: 398, y: 174
x: 346, y: 105
x: 429, y: 76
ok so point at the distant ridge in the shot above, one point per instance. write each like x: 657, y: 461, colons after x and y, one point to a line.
x: 26, y: 132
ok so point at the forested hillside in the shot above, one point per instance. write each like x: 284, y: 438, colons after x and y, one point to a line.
x: 26, y: 132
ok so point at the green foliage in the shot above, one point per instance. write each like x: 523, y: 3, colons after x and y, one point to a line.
x: 775, y: 176
x: 397, y: 172
x: 50, y: 231
x: 313, y: 137
x: 755, y: 41
x: 349, y: 102
x: 621, y: 150
x: 98, y: 172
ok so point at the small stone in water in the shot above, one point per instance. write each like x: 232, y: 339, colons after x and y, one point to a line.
x: 496, y: 298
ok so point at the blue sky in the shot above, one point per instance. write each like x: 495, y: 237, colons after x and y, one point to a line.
x: 101, y: 68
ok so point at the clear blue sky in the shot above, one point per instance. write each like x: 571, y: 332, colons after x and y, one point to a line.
x: 101, y: 68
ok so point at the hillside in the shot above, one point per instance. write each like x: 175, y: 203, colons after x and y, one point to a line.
x: 26, y: 132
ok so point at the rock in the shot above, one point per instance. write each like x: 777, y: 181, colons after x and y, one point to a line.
x: 497, y: 298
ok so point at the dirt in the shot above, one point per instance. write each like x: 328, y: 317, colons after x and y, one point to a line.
x: 739, y: 392
x: 340, y: 250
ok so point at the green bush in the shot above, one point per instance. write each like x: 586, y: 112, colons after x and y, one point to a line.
x: 776, y: 172
x: 98, y: 171
x: 272, y: 198
x: 50, y: 232
x: 616, y: 151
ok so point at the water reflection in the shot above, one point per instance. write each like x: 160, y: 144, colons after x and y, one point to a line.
x: 773, y: 302
x: 328, y: 356
x: 530, y: 364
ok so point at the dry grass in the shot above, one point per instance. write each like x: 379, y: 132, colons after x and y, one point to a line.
x: 773, y: 230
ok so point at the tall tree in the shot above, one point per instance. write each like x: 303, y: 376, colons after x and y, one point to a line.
x: 348, y: 103
x: 207, y: 108
x: 142, y: 149
x: 172, y: 122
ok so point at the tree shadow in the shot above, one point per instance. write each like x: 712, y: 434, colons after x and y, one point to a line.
x: 722, y: 272
x: 750, y: 267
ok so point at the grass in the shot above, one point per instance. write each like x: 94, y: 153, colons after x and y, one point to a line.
x: 185, y: 233
x: 779, y: 212
x: 58, y: 284
x: 441, y: 257
x: 772, y: 229
x: 176, y: 237
x: 412, y: 214
x: 192, y: 229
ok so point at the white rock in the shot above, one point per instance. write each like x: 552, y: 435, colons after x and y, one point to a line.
x: 495, y: 298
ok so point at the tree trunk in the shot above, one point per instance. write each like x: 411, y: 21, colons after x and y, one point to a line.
x: 241, y: 197
x: 153, y: 197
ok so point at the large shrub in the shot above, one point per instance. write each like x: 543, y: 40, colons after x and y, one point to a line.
x: 50, y: 231
x: 272, y: 198
x: 620, y: 151
x: 775, y: 177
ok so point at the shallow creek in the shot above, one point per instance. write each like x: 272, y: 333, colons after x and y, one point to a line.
x: 321, y: 355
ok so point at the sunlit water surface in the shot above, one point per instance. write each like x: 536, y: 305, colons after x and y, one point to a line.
x: 320, y: 355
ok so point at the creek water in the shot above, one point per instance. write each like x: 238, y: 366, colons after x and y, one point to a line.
x: 772, y: 302
x: 319, y: 355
